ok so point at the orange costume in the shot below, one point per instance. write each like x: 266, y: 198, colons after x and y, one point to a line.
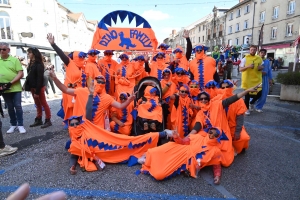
x: 180, y: 77
x: 124, y: 116
x: 125, y: 79
x: 89, y: 140
x: 181, y: 60
x: 151, y: 109
x: 91, y: 67
x: 181, y: 112
x: 139, y: 70
x: 158, y: 65
x: 202, y: 67
x: 75, y: 78
x: 108, y: 68
x: 194, y: 91
x: 234, y: 111
x: 211, y: 87
x: 170, y: 159
x: 163, y: 48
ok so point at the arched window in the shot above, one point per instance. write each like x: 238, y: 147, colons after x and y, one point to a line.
x: 5, y: 25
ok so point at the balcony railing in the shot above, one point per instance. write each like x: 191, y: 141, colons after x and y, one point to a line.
x: 220, y: 33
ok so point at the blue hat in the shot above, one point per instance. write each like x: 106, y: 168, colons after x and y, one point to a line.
x: 200, y: 47
x: 163, y: 45
x: 109, y: 51
x: 93, y: 51
x: 123, y: 56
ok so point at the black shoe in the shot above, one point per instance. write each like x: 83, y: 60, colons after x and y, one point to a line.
x: 47, y: 123
x: 37, y: 122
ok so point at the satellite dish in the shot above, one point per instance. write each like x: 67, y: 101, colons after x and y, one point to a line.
x: 29, y: 34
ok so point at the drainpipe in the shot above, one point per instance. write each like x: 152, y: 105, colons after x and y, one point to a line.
x: 253, y: 21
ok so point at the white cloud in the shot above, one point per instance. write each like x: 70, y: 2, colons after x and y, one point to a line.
x: 155, y: 15
x: 168, y: 30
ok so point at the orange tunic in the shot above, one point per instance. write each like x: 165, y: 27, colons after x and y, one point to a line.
x: 101, y: 103
x: 183, y: 63
x: 89, y: 139
x: 125, y: 79
x: 203, y: 69
x: 92, y: 70
x: 157, y: 69
x: 108, y: 68
x: 139, y: 71
x: 170, y: 159
x: 125, y: 117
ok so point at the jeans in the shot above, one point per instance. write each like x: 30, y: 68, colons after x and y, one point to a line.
x: 2, y: 144
x: 15, y: 111
x: 41, y: 102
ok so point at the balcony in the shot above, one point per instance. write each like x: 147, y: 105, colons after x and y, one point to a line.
x: 220, y: 33
x: 290, y: 12
x: 274, y: 16
x: 214, y: 35
x: 208, y: 37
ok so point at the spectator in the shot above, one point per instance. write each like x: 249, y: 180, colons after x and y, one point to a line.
x: 24, y: 66
x: 11, y: 72
x: 47, y: 79
x: 251, y: 67
x: 35, y: 81
x: 228, y: 68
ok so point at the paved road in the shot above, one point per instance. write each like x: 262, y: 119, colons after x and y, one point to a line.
x: 268, y: 170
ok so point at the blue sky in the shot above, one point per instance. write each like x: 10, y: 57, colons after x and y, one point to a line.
x: 163, y: 16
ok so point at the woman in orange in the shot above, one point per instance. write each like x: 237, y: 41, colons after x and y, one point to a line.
x: 203, y: 68
x: 139, y: 70
x: 163, y: 48
x: 180, y: 77
x: 108, y: 68
x: 75, y: 74
x: 235, y: 116
x: 122, y: 119
x: 194, y: 91
x: 157, y: 66
x: 172, y: 158
x: 125, y: 78
x: 150, y: 108
x: 211, y: 87
x: 91, y: 67
x: 168, y: 89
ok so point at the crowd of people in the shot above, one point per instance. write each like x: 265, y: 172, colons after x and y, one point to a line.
x: 116, y: 114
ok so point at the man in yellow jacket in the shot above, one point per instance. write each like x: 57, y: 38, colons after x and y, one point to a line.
x: 251, y: 68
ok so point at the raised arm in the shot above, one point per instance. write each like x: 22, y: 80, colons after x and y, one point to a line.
x: 61, y: 86
x: 60, y: 53
x: 119, y: 105
x: 188, y: 44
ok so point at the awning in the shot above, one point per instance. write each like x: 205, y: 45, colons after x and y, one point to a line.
x: 277, y: 46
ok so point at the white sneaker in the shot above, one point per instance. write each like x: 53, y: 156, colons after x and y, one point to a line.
x: 11, y: 129
x: 251, y: 107
x: 142, y: 159
x: 7, y: 150
x: 21, y: 129
x: 169, y: 133
x: 247, y: 112
x: 259, y: 110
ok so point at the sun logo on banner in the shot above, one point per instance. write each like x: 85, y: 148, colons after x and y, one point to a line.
x: 124, y: 38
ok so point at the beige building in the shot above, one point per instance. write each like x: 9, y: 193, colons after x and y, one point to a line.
x: 281, y: 19
x: 239, y: 24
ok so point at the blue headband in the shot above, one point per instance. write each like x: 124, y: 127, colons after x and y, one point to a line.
x: 93, y: 51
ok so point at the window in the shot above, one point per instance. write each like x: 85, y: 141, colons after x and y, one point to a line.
x: 4, y: 2
x: 215, y: 42
x: 5, y: 25
x: 246, y: 40
x: 291, y: 8
x: 275, y: 12
x: 237, y: 27
x: 203, y: 27
x: 262, y: 17
x: 245, y: 24
x: 199, y: 28
x: 202, y: 38
x: 199, y: 39
x: 289, y: 29
x: 247, y: 8
x: 263, y: 1
x: 274, y: 33
x: 237, y: 41
x: 231, y: 16
x: 238, y: 13
x: 229, y: 42
x: 230, y: 30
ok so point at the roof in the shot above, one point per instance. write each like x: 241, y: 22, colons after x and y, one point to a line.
x: 74, y: 16
x: 239, y: 4
x: 60, y: 5
x: 199, y: 21
x: 92, y: 21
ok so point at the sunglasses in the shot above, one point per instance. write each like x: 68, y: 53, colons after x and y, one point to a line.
x: 2, y: 49
x: 74, y: 124
x: 184, y: 91
x: 180, y: 73
x: 99, y: 81
x: 211, y: 87
x: 205, y: 98
x: 193, y: 86
x: 198, y: 50
x: 225, y: 87
x: 162, y: 48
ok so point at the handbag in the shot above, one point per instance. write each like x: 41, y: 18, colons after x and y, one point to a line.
x: 26, y: 85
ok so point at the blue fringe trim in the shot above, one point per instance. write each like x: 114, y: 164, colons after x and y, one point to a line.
x: 96, y: 102
x: 83, y: 79
x: 139, y: 145
x: 123, y: 71
x: 207, y: 122
x: 123, y: 119
x: 159, y: 74
x: 201, y: 73
x: 107, y: 83
x: 185, y: 121
x: 153, y: 105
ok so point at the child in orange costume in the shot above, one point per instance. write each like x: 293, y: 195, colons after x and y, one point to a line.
x: 108, y: 68
x: 149, y: 107
x: 163, y: 48
x: 139, y: 70
x: 202, y: 67
x: 168, y: 89
x: 75, y: 74
x: 181, y: 111
x: 180, y: 77
x: 235, y: 115
x: 122, y: 119
x: 91, y: 67
x: 157, y: 66
x: 212, y: 88
x: 125, y: 78
x: 170, y: 159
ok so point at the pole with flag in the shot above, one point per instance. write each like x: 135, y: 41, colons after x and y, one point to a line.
x: 260, y: 39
